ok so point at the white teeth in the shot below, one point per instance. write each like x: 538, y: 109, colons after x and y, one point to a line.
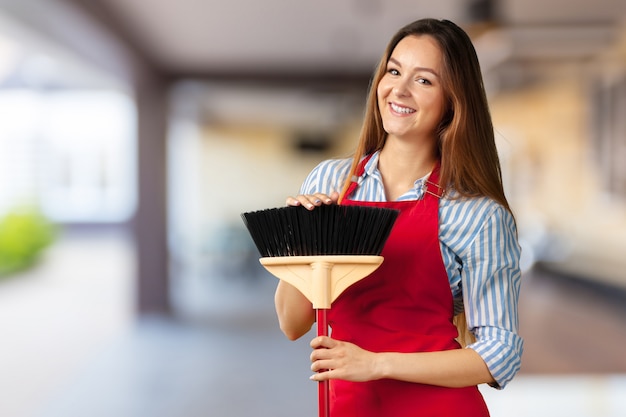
x: 399, y: 109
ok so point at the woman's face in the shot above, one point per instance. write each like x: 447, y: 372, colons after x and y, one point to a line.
x: 410, y: 95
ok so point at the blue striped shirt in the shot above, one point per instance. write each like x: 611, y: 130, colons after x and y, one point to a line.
x: 480, y: 252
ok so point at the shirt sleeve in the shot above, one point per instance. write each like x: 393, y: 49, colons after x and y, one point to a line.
x: 326, y: 177
x: 491, y: 281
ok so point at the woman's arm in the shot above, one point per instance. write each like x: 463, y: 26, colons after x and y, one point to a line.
x: 295, y: 312
x: 450, y: 368
x: 491, y: 286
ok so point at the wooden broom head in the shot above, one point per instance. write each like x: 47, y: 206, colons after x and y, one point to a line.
x: 325, y: 230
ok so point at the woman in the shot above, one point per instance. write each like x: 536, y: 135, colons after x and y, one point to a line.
x: 427, y: 149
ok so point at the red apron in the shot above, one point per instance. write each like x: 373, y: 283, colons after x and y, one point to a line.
x: 405, y: 306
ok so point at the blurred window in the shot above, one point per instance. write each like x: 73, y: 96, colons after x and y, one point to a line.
x: 67, y: 138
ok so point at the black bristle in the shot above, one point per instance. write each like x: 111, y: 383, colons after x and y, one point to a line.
x: 326, y: 230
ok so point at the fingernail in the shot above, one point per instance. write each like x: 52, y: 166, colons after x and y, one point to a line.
x: 318, y: 201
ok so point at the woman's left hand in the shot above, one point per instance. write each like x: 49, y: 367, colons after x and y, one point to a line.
x: 341, y: 360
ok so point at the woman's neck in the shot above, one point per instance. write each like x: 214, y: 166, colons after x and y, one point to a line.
x: 400, y: 166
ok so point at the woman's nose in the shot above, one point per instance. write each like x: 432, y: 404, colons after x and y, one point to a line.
x: 401, y: 88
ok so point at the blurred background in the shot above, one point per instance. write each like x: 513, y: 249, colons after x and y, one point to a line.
x: 133, y: 134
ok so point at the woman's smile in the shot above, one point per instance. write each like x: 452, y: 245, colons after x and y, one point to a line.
x: 402, y: 110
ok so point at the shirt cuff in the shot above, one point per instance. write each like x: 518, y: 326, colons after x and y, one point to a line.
x: 502, y: 352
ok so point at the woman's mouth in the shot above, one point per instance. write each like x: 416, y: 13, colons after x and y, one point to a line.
x: 396, y: 108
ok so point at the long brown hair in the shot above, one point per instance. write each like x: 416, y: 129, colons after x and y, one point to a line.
x: 466, y: 144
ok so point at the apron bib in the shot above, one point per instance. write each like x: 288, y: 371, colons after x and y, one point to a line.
x: 404, y: 306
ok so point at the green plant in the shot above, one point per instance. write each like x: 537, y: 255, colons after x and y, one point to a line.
x: 24, y: 234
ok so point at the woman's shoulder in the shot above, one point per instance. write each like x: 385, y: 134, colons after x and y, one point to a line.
x: 334, y: 165
x: 467, y: 221
x: 331, y: 170
x: 478, y: 210
x: 327, y: 176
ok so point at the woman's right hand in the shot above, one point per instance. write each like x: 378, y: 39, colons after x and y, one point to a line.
x: 310, y: 201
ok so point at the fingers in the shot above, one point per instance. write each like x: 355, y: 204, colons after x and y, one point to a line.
x: 322, y: 376
x: 323, y: 342
x: 310, y: 201
x: 322, y: 358
x: 323, y: 368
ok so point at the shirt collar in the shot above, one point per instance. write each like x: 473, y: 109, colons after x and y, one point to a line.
x: 371, y: 169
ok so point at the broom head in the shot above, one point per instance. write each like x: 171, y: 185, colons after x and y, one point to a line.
x: 325, y: 230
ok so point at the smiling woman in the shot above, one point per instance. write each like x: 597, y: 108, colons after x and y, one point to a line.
x: 426, y: 149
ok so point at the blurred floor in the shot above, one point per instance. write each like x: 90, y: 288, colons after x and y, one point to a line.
x: 571, y: 326
x: 71, y: 348
x: 56, y: 315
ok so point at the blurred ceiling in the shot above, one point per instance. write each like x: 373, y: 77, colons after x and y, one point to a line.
x: 340, y: 38
x: 248, y: 37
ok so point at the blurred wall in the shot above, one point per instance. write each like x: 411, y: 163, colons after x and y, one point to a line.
x: 570, y: 216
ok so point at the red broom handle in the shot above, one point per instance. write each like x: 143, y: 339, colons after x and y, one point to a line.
x: 323, y: 402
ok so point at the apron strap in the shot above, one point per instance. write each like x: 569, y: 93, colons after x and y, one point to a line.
x: 355, y: 178
x: 432, y: 183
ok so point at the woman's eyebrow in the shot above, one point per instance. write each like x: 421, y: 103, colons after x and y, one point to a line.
x: 432, y: 71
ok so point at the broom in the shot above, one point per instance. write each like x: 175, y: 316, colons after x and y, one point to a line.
x: 321, y: 252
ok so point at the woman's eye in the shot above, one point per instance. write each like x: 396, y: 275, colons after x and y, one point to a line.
x: 393, y: 71
x: 423, y: 81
